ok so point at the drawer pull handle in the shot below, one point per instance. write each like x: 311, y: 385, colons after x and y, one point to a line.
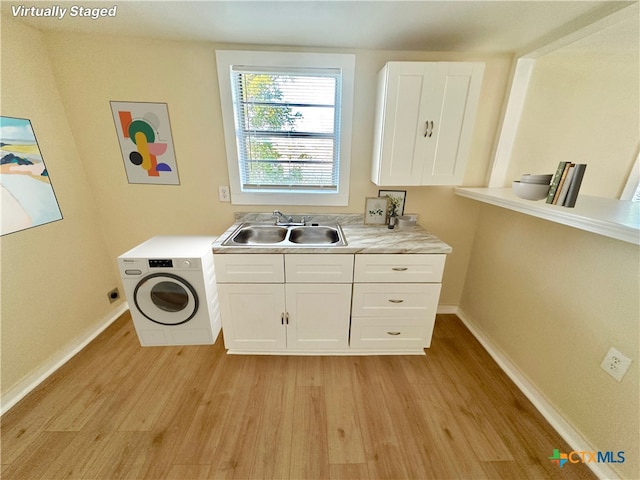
x: 396, y: 300
x: 393, y: 333
x: 399, y: 269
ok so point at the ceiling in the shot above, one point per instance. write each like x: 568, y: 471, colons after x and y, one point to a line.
x: 424, y: 25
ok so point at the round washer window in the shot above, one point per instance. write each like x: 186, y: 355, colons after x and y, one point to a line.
x: 169, y: 296
x: 166, y: 299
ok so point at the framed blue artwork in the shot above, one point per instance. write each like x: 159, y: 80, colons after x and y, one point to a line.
x: 27, y: 196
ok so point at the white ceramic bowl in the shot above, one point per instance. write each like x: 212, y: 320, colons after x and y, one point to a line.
x: 540, y: 179
x: 530, y: 191
x: 406, y: 221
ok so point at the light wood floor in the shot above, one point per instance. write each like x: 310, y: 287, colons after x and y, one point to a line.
x: 118, y: 410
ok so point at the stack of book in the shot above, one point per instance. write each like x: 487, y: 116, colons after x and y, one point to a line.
x: 566, y: 184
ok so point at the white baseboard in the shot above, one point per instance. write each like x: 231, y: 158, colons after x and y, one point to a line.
x: 31, y: 381
x: 570, y: 435
x: 447, y: 309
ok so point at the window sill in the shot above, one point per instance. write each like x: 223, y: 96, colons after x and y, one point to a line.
x: 604, y: 216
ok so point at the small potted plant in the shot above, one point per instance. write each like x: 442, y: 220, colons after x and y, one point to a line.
x: 392, y: 211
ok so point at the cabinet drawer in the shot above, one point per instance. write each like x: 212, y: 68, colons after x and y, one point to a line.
x: 400, y: 268
x: 388, y: 299
x: 390, y: 333
x: 250, y: 268
x: 315, y: 268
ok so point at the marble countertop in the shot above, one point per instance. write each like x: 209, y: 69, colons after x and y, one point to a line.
x: 360, y: 238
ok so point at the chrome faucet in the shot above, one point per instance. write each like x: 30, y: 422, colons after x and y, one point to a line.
x: 277, y: 214
x: 281, y: 219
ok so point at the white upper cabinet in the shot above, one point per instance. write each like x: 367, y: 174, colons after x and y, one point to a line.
x: 425, y: 116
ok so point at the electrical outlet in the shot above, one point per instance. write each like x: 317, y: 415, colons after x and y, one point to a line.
x: 615, y: 364
x: 223, y: 194
x: 113, y: 295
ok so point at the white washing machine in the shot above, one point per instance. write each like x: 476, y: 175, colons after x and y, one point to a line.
x: 170, y: 284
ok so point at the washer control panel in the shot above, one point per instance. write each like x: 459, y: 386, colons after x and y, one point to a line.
x: 160, y: 263
x: 175, y: 263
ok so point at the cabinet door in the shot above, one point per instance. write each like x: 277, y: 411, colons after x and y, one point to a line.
x: 452, y: 108
x: 403, y: 95
x: 253, y: 316
x: 318, y: 316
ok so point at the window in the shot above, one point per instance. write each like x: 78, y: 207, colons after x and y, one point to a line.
x: 287, y: 121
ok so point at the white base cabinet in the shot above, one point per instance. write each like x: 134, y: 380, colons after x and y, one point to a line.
x: 395, y: 299
x: 281, y: 317
x: 328, y: 303
x: 318, y: 316
x: 252, y: 316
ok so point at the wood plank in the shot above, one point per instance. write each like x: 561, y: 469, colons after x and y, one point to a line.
x: 309, y: 449
x: 343, y: 430
x: 274, y: 433
x: 309, y: 371
x: 348, y: 471
x: 191, y: 472
x: 383, y: 451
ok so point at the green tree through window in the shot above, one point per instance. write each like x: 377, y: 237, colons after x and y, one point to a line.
x: 260, y: 93
x: 286, y: 129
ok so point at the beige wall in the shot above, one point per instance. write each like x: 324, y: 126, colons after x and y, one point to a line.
x: 554, y: 299
x: 582, y: 107
x: 55, y: 277
x: 92, y: 70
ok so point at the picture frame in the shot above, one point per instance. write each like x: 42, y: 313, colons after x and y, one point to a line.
x: 399, y: 196
x: 146, y: 142
x: 26, y: 192
x: 375, y: 210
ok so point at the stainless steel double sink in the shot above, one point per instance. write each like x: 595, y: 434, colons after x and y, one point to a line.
x: 314, y: 235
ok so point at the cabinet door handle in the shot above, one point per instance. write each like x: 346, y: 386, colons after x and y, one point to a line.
x: 399, y: 269
x: 429, y: 130
x: 282, y: 318
x: 396, y: 300
x: 393, y: 333
x: 286, y: 318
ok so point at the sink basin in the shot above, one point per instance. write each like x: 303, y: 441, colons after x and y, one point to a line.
x: 252, y: 234
x: 259, y: 235
x: 319, y: 235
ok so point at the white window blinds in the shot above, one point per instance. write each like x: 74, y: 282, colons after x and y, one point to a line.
x: 287, y: 127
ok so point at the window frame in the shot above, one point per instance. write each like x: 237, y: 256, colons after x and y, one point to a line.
x: 225, y: 60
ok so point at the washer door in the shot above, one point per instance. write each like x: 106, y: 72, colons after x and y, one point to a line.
x: 166, y: 299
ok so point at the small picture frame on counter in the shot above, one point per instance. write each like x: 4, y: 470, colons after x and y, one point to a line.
x: 375, y: 210
x: 396, y: 201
